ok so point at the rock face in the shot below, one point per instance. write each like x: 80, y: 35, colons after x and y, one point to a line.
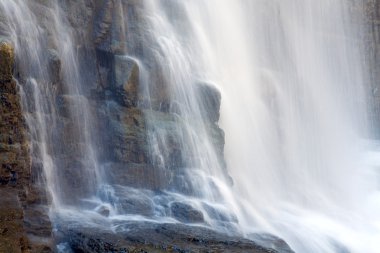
x: 135, y: 128
x: 6, y: 62
x: 24, y: 225
x: 150, y: 237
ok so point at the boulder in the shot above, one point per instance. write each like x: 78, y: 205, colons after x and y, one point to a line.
x: 136, y: 204
x: 128, y: 200
x: 103, y: 210
x: 210, y: 99
x: 186, y: 213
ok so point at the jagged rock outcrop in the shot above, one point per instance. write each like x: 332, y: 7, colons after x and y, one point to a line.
x: 24, y: 225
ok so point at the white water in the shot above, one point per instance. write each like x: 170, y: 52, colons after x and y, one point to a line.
x: 36, y: 42
x: 293, y: 110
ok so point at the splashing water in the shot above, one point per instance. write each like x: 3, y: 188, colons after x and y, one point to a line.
x: 293, y: 89
x: 293, y: 92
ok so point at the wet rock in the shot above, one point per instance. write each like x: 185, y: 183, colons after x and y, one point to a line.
x: 165, y: 133
x: 271, y: 241
x: 6, y: 62
x: 37, y: 195
x: 186, y: 213
x: 217, y: 138
x: 24, y: 222
x: 153, y: 237
x: 12, y: 235
x: 63, y: 105
x: 210, y: 98
x: 220, y: 213
x: 128, y: 200
x: 37, y: 222
x: 103, y: 210
x: 125, y: 133
x: 54, y: 67
x: 141, y: 176
x: 109, y: 27
x: 136, y: 204
x: 14, y: 150
x: 126, y: 80
x: 103, y: 21
x: 118, y: 75
x: 75, y: 177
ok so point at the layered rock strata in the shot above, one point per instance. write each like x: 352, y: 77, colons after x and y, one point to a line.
x: 24, y: 225
x: 125, y: 115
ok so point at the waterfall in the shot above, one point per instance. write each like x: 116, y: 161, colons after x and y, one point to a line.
x: 61, y: 146
x: 124, y: 121
x: 293, y: 82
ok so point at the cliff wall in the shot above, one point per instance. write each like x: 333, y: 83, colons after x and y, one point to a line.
x: 125, y: 122
x: 24, y: 225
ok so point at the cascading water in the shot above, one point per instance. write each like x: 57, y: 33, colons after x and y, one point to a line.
x: 48, y: 66
x: 293, y: 110
x: 291, y: 79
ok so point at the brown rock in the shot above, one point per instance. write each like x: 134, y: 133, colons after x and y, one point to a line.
x: 16, y: 188
x: 12, y: 237
x: 186, y: 213
x: 126, y: 75
x: 6, y: 62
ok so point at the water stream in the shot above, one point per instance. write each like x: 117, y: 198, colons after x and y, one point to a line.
x: 298, y: 162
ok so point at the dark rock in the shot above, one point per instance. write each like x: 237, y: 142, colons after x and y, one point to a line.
x: 270, y: 241
x: 105, y: 65
x: 186, y: 213
x: 54, y: 67
x: 138, y: 175
x: 126, y: 80
x: 11, y: 216
x: 153, y: 237
x: 103, y: 21
x: 65, y: 103
x: 136, y: 203
x: 103, y: 210
x: 109, y: 29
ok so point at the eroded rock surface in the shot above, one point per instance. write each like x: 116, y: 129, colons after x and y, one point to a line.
x: 24, y: 225
x: 150, y: 237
